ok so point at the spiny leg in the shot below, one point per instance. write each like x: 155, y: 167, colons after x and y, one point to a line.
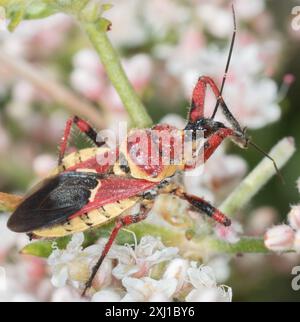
x: 198, y: 103
x: 203, y: 206
x: 84, y: 127
x: 120, y: 223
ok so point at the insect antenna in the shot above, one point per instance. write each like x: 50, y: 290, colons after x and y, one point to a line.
x: 228, y: 61
x: 269, y: 157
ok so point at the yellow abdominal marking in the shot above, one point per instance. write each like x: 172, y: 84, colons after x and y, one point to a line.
x: 93, y: 218
x: 77, y: 157
x: 138, y: 173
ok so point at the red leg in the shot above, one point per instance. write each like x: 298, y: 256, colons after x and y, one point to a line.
x: 84, y: 127
x: 215, y: 140
x: 204, y: 206
x: 210, y: 146
x: 198, y: 97
x: 122, y: 222
x: 198, y: 102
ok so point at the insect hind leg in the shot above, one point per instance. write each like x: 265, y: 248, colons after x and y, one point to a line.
x: 203, y: 206
x: 120, y: 223
x: 84, y: 127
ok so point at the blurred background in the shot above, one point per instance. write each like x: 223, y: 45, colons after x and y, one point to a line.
x: 165, y: 46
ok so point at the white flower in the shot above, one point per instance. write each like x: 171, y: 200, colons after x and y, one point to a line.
x: 66, y: 294
x: 87, y: 59
x: 201, y: 276
x: 205, y: 286
x: 137, y: 262
x: 258, y: 102
x: 87, y: 84
x: 294, y: 217
x: 147, y: 289
x: 106, y: 295
x: 75, y: 264
x: 177, y: 269
x: 231, y: 234
x: 217, y: 21
x: 62, y: 261
x: 162, y: 16
x: 220, y: 266
x: 279, y: 238
x: 139, y: 70
x: 127, y: 29
x: 89, y: 78
x: 249, y: 9
x: 210, y: 294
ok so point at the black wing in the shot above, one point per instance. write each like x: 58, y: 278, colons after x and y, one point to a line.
x: 57, y: 199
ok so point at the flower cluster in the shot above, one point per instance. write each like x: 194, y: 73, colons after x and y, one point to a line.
x: 89, y: 78
x: 149, y: 271
x: 178, y: 56
x: 26, y: 281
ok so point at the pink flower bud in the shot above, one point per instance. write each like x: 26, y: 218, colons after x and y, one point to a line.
x: 289, y: 79
x: 279, y: 238
x: 294, y: 217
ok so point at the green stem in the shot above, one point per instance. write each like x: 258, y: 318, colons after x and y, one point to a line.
x: 198, y: 245
x: 195, y: 249
x: 116, y: 74
x: 244, y: 245
x: 258, y: 177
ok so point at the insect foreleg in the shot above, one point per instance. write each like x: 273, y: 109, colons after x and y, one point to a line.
x: 198, y: 102
x: 210, y: 146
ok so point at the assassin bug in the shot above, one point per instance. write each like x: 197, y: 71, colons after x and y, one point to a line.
x: 81, y: 193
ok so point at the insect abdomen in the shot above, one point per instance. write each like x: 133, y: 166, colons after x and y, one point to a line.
x: 93, y: 218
